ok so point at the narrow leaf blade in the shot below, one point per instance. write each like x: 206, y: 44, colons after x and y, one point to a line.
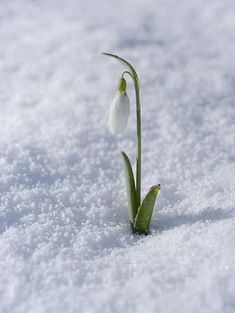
x: 144, y: 215
x: 130, y: 186
x: 124, y: 62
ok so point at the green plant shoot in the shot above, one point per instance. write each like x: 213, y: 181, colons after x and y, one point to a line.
x: 140, y: 212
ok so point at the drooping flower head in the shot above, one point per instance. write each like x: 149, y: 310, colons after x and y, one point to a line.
x: 140, y: 212
x: 119, y: 109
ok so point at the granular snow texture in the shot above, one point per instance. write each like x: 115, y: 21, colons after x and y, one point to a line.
x: 65, y: 241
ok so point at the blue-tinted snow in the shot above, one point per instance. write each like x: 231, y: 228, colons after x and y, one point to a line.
x: 65, y: 243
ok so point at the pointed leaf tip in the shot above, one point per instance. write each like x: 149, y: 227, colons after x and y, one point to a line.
x: 156, y: 188
x: 130, y: 187
x: 144, y: 215
x: 125, y: 63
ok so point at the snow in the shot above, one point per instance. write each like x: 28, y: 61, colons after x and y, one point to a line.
x: 65, y: 242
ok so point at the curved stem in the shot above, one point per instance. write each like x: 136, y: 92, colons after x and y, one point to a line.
x: 138, y: 155
x: 131, y: 71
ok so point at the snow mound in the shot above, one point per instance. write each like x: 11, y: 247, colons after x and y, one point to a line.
x: 65, y: 242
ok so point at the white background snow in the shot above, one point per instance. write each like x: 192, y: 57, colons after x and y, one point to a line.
x: 65, y: 242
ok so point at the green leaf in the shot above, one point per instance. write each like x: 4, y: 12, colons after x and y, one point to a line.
x: 130, y: 186
x: 144, y: 215
x: 125, y: 63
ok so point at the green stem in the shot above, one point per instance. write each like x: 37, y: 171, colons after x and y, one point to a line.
x: 131, y: 71
x: 138, y: 155
x: 138, y: 129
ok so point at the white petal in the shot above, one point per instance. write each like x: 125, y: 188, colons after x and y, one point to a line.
x: 119, y: 113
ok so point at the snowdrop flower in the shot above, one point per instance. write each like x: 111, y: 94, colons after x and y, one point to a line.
x: 119, y: 109
x: 140, y: 211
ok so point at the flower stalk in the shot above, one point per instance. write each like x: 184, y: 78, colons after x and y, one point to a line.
x: 139, y: 150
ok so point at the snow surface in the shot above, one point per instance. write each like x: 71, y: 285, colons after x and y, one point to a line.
x: 65, y: 243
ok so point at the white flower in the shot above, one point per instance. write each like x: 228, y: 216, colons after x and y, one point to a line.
x: 119, y: 110
x: 119, y: 113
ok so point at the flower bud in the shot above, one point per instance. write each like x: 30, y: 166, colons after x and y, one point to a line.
x: 121, y: 85
x: 119, y: 109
